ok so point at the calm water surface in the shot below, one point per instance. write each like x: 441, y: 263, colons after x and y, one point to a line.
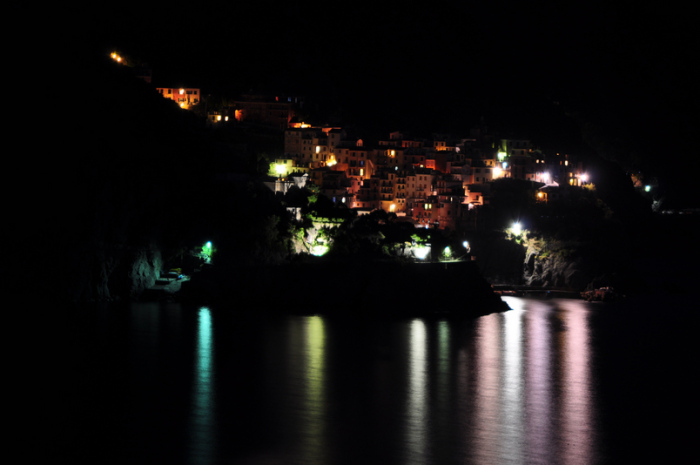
x: 549, y: 382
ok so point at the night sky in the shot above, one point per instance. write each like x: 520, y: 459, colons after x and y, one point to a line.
x: 535, y: 68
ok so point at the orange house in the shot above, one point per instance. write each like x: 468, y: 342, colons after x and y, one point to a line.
x: 185, y: 97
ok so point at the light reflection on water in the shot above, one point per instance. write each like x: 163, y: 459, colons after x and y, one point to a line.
x: 417, y: 397
x: 538, y: 380
x: 578, y: 429
x: 511, y: 387
x: 313, y: 444
x: 203, y: 436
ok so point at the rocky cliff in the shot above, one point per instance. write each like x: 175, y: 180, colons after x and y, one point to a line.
x: 536, y: 262
x: 556, y: 264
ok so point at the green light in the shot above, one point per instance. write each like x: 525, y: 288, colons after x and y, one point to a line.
x: 207, y: 251
x: 447, y: 253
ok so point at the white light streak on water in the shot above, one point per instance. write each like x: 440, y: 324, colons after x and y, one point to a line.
x: 512, y: 409
x: 538, y: 380
x: 576, y: 410
x: 417, y: 402
x: 486, y: 437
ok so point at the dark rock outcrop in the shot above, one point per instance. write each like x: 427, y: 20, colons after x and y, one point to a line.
x: 350, y: 288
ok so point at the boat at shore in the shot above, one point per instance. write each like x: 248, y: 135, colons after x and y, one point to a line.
x: 603, y: 294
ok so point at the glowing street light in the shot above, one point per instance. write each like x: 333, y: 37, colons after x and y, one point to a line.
x: 517, y: 229
x: 421, y: 252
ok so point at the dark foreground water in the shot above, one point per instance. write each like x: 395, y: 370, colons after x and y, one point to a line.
x: 550, y: 382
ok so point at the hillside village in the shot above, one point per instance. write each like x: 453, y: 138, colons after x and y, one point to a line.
x: 434, y: 183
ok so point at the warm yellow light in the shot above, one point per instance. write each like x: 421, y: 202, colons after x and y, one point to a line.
x: 497, y: 172
x: 318, y: 149
x: 280, y: 169
x: 182, y: 91
x: 115, y: 56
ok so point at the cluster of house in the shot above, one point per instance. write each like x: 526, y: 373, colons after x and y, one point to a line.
x: 434, y: 183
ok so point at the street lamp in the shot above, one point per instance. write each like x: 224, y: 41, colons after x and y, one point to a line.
x: 517, y: 229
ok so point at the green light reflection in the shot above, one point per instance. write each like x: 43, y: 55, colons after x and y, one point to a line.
x: 202, y: 421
